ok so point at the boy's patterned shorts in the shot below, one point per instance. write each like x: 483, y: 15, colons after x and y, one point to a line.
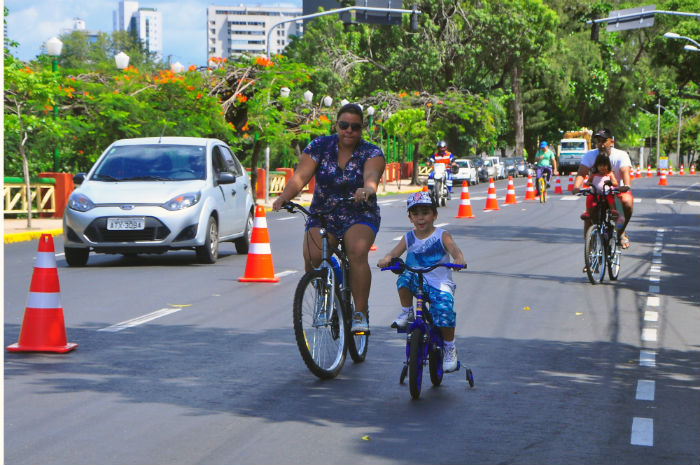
x: 441, y: 303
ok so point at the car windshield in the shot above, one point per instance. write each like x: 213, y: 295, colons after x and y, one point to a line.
x: 488, y: 163
x: 463, y: 163
x: 573, y: 145
x: 478, y: 163
x: 152, y: 163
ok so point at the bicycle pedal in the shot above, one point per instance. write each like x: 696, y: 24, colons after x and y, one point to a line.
x: 361, y: 333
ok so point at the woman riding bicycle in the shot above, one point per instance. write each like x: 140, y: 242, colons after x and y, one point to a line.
x: 545, y: 161
x: 344, y: 165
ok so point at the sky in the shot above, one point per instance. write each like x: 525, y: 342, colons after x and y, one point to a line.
x: 33, y: 22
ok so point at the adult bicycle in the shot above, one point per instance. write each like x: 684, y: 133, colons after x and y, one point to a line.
x: 323, y: 306
x: 602, y: 248
x: 424, y: 342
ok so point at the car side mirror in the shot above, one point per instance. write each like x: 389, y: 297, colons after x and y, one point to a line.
x: 78, y: 178
x: 225, y: 178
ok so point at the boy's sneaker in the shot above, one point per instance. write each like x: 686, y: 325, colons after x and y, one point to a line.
x: 359, y: 323
x: 403, y: 319
x: 449, y: 361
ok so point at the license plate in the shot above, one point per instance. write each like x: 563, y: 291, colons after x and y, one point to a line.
x: 126, y: 224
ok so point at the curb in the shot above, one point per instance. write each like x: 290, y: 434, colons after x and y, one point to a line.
x: 30, y: 235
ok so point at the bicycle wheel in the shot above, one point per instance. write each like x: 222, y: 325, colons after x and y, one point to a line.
x: 594, y: 255
x: 319, y: 330
x: 542, y: 187
x: 613, y: 260
x: 435, y: 365
x: 357, y: 343
x: 415, y: 363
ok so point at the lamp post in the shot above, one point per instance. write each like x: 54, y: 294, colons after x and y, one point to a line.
x: 657, y: 139
x: 308, y: 96
x: 691, y: 48
x: 370, y: 113
x: 673, y: 35
x: 54, y: 47
x: 121, y: 60
x: 177, y: 67
x: 327, y: 102
x: 678, y: 137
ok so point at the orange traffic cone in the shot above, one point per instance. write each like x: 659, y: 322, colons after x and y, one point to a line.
x: 669, y: 172
x: 570, y: 187
x: 491, y: 200
x: 258, y: 267
x: 692, y: 169
x: 510, y: 194
x: 530, y: 190
x: 465, y: 207
x: 373, y: 248
x: 585, y: 182
x: 639, y: 172
x: 662, y: 179
x: 682, y: 171
x: 43, y: 329
x: 557, y: 186
x: 649, y: 174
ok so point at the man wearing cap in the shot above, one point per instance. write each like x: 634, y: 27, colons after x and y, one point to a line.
x: 545, y: 161
x: 621, y: 166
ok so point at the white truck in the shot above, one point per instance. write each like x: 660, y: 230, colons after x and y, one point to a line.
x: 571, y: 149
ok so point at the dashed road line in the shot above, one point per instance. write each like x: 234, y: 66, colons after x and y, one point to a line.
x: 140, y: 320
x: 642, y: 432
x: 645, y: 389
x: 285, y: 273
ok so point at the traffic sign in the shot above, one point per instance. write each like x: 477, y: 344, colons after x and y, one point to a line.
x: 631, y: 18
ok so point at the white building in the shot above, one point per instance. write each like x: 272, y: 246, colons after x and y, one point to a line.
x: 80, y: 25
x: 145, y: 23
x: 233, y: 30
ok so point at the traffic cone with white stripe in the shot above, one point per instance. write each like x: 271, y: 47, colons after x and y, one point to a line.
x: 465, y: 207
x: 570, y: 187
x: 692, y: 169
x: 557, y: 186
x: 682, y: 171
x: 43, y: 329
x: 510, y: 194
x: 669, y: 172
x: 639, y: 172
x: 491, y: 200
x: 662, y: 179
x: 530, y: 190
x: 649, y: 173
x: 258, y: 267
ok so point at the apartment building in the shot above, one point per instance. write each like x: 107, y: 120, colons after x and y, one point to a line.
x: 233, y: 30
x: 144, y: 22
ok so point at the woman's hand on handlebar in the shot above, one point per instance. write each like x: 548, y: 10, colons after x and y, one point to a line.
x: 363, y: 194
x: 277, y: 204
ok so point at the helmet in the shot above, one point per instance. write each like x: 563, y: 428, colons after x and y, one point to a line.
x: 442, y: 144
x: 419, y: 198
x: 543, y: 144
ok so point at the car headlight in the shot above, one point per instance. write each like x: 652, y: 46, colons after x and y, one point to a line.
x: 80, y: 202
x: 182, y: 201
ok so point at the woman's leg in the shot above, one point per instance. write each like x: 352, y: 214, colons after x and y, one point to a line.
x: 358, y: 240
x: 312, y: 248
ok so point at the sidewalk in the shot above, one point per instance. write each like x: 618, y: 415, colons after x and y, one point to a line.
x: 16, y: 230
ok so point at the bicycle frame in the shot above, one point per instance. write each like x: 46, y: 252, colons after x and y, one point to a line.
x: 604, y: 225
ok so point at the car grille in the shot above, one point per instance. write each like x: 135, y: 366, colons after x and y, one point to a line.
x: 154, y: 230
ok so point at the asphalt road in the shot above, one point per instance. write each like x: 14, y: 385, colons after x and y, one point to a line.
x: 566, y: 372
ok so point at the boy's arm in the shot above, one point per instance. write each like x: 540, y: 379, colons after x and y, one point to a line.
x: 453, y: 249
x: 397, y: 251
x: 613, y: 180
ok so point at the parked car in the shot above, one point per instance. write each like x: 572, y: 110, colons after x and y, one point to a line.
x: 510, y: 168
x: 499, y: 167
x: 482, y: 172
x: 490, y: 169
x: 522, y: 166
x: 151, y: 195
x: 467, y: 172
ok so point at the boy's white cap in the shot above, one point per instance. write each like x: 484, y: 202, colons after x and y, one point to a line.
x: 419, y: 198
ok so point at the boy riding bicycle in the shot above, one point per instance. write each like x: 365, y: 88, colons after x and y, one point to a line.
x: 545, y: 161
x: 427, y: 245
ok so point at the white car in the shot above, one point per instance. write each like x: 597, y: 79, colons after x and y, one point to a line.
x: 467, y: 172
x: 151, y: 195
x: 500, y: 167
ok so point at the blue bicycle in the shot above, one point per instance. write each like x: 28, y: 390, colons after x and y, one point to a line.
x: 424, y: 342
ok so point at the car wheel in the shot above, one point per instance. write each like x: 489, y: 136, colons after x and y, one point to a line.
x: 76, y: 256
x: 243, y: 243
x: 209, y: 252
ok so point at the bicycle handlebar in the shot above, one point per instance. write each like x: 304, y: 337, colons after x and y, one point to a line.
x: 610, y: 190
x: 293, y: 207
x: 397, y: 266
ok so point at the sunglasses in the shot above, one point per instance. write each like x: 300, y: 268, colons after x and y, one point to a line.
x: 354, y: 126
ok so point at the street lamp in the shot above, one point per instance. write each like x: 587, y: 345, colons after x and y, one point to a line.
x: 344, y: 102
x: 370, y: 113
x: 679, y: 118
x: 54, y: 47
x: 327, y: 101
x: 121, y: 60
x: 308, y: 96
x: 657, y: 131
x: 691, y: 48
x: 177, y: 67
x: 673, y: 35
x: 284, y: 92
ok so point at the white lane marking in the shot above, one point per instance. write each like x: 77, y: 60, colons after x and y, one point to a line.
x: 664, y: 201
x: 645, y: 389
x: 649, y: 334
x: 397, y: 238
x: 387, y: 202
x: 477, y: 198
x: 693, y: 203
x: 653, y: 301
x: 440, y: 225
x: 654, y: 289
x: 651, y: 315
x: 647, y: 358
x: 285, y: 273
x: 637, y: 200
x: 655, y: 269
x: 569, y: 197
x: 60, y: 254
x: 656, y: 261
x: 660, y: 230
x: 642, y: 432
x: 140, y: 320
x: 654, y: 279
x: 287, y: 218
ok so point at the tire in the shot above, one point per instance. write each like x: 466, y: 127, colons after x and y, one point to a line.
x: 357, y: 344
x: 542, y: 190
x: 209, y: 252
x: 76, y: 256
x: 415, y: 363
x: 470, y: 378
x: 243, y: 243
x: 437, y: 190
x: 594, y: 255
x: 320, y: 333
x: 613, y: 260
x: 435, y: 365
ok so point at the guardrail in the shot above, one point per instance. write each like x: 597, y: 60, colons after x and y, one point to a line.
x: 42, y: 196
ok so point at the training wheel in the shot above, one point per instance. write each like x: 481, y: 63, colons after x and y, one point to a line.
x: 404, y: 372
x: 470, y: 378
